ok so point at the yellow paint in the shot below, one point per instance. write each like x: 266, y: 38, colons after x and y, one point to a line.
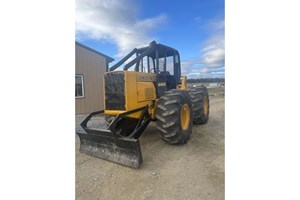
x: 145, y: 77
x: 139, y: 92
x: 145, y: 91
x: 185, y: 117
x: 182, y: 86
x: 113, y: 112
x: 135, y: 85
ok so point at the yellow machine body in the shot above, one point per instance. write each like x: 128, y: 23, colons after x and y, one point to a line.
x: 146, y: 89
x: 139, y: 92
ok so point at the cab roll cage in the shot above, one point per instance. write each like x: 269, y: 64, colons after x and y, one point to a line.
x: 155, y: 52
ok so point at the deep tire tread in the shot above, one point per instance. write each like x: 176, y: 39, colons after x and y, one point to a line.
x: 168, y: 116
x: 197, y: 95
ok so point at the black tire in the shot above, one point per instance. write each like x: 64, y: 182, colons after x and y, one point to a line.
x: 168, y: 114
x: 200, y: 99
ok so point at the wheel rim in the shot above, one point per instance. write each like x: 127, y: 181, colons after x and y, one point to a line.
x: 185, y: 117
x: 205, y: 105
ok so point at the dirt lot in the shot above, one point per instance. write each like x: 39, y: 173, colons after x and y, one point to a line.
x: 191, y: 171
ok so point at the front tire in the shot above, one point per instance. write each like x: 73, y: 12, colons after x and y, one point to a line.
x: 175, y: 116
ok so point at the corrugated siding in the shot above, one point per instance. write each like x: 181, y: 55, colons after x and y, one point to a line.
x: 92, y: 67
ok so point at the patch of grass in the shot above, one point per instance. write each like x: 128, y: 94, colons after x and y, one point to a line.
x: 217, y: 91
x: 197, y: 84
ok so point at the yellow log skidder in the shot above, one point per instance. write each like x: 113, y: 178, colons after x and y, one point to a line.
x: 149, y: 88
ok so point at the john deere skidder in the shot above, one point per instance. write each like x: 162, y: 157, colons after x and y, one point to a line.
x: 149, y: 88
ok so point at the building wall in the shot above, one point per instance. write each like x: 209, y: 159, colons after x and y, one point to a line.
x: 92, y: 66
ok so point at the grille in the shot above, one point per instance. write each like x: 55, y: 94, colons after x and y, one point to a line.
x: 114, y: 91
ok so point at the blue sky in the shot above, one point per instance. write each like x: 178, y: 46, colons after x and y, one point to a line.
x: 194, y: 27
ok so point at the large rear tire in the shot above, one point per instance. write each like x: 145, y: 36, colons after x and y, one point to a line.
x: 200, y: 99
x: 175, y: 116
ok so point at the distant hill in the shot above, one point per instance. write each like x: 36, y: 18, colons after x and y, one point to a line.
x: 206, y: 80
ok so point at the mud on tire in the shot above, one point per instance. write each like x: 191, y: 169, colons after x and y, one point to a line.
x: 200, y: 101
x: 175, y: 116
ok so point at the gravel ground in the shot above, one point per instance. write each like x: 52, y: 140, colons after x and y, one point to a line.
x: 191, y: 171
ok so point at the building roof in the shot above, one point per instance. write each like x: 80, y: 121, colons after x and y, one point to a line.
x: 109, y: 59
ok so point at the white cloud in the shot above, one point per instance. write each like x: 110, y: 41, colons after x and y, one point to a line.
x: 214, y: 57
x: 213, y: 52
x: 194, y: 68
x: 115, y: 21
x: 211, y: 60
x: 216, y: 25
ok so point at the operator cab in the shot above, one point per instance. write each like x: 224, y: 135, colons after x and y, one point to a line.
x: 159, y: 59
